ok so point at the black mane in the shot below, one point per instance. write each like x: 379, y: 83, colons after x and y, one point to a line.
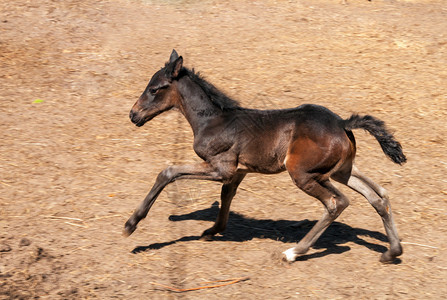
x: 217, y: 97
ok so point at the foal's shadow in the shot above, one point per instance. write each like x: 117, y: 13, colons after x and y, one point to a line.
x: 241, y: 228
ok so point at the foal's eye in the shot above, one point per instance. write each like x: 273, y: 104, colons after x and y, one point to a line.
x: 153, y: 91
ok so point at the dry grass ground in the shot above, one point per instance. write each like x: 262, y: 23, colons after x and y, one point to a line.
x: 73, y: 167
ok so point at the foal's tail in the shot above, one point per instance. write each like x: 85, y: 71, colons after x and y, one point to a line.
x: 376, y: 127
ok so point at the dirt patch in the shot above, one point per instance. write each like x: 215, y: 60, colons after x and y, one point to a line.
x: 73, y: 167
x: 31, y: 271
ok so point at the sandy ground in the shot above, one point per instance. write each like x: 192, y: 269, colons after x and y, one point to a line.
x: 73, y: 168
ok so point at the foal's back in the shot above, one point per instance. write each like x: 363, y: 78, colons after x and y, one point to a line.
x: 269, y: 137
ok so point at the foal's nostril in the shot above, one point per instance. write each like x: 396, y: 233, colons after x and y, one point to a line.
x: 132, y: 116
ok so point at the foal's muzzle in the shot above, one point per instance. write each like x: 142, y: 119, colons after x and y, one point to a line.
x: 136, y: 119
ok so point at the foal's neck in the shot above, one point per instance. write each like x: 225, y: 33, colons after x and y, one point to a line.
x: 195, y: 104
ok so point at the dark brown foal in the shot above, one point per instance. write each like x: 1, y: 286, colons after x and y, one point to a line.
x: 312, y: 143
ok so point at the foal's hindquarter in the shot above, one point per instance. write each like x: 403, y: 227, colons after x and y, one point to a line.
x: 309, y: 141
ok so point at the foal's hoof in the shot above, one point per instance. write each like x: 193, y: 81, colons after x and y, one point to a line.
x: 386, y: 258
x: 129, y: 229
x: 289, y: 255
x: 207, y: 237
x: 389, y: 258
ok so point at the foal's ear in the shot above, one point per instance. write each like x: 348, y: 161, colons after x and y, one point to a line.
x: 174, y: 56
x: 174, y: 68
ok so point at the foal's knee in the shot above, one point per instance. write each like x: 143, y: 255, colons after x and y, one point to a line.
x: 167, y: 175
x: 336, y: 205
x: 381, y: 205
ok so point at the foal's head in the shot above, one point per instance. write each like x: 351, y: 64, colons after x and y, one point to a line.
x: 160, y: 94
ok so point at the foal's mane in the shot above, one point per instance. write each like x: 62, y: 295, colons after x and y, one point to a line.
x: 217, y: 97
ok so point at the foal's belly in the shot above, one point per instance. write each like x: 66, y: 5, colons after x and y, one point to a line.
x: 261, y: 169
x: 265, y: 153
x: 259, y: 162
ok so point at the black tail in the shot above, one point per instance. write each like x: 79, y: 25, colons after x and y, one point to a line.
x: 376, y: 127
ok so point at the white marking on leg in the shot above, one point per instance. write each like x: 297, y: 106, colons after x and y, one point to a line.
x: 285, y: 161
x: 290, y: 254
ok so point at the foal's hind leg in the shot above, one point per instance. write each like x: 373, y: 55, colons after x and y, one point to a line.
x: 377, y: 188
x: 377, y: 196
x: 334, y: 202
x: 227, y: 194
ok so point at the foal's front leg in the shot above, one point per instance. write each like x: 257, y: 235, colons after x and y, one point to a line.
x: 227, y: 194
x: 199, y: 171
